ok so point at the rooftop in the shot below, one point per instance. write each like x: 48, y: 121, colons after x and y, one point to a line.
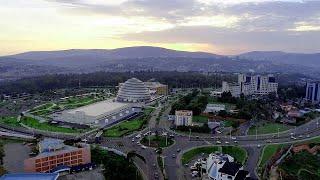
x: 230, y: 168
x: 99, y: 108
x: 49, y: 144
x: 30, y: 176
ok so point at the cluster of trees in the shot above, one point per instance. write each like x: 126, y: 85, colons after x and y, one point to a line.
x: 58, y: 81
x: 115, y: 166
x: 261, y: 108
x: 193, y: 101
x: 199, y: 129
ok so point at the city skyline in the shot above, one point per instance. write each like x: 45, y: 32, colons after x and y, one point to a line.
x: 215, y: 26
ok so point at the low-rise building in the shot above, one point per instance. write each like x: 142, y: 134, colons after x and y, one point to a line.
x: 223, y: 167
x: 156, y: 88
x: 183, y: 118
x: 213, y: 108
x: 54, y: 153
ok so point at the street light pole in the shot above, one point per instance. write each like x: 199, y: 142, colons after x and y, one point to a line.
x: 256, y: 132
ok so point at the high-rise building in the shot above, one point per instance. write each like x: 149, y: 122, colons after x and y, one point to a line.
x: 313, y: 92
x: 183, y: 118
x: 249, y: 85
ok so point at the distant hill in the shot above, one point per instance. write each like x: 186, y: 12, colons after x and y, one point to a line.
x: 120, y: 53
x: 311, y: 60
x: 147, y: 58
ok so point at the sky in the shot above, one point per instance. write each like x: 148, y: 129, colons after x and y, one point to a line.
x: 225, y: 27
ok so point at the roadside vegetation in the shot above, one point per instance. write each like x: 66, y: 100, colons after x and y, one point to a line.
x: 157, y: 141
x: 238, y: 153
x: 10, y: 121
x: 129, y: 126
x: 70, y: 103
x: 267, y: 152
x: 115, y: 166
x: 45, y: 126
x: 269, y: 127
x: 302, y: 165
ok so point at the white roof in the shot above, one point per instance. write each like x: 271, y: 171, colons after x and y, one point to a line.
x: 99, y: 108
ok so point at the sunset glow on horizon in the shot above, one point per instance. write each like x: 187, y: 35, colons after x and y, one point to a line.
x: 216, y: 26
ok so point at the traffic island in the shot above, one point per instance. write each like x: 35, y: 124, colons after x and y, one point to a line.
x: 157, y: 141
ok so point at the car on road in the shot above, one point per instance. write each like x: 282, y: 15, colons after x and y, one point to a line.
x: 218, y: 142
x: 300, y: 136
x: 269, y: 141
x: 227, y: 142
x: 308, y: 136
x: 173, y: 155
x: 138, y: 136
x: 143, y: 147
x: 258, y: 146
x: 197, y: 137
x: 292, y: 137
x: 195, y: 174
x: 235, y: 141
x: 156, y: 175
x: 132, y: 140
x: 233, y: 138
x: 178, y: 150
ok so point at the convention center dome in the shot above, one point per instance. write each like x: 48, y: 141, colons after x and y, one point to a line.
x: 133, y: 90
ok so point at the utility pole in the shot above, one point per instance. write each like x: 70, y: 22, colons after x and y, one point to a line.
x: 189, y: 134
x: 149, y: 134
x: 167, y: 140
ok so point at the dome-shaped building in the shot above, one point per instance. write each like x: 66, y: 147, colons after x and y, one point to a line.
x: 133, y: 90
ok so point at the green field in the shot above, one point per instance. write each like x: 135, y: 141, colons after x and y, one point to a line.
x: 10, y: 121
x: 157, y: 141
x: 124, y: 128
x: 268, y: 128
x: 71, y: 103
x: 127, y: 127
x: 239, y: 154
x: 33, y: 123
x: 200, y: 119
x: 267, y: 152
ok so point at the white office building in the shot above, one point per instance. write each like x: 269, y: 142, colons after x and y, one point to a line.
x: 183, y: 118
x: 313, y: 92
x: 251, y: 85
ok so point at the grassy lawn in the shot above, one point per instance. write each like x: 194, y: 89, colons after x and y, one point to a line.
x: 127, y: 127
x: 70, y: 103
x: 268, y: 128
x: 239, y: 154
x: 267, y: 152
x: 228, y: 123
x: 157, y: 141
x: 33, y: 123
x: 10, y: 121
x: 124, y: 128
x: 200, y: 119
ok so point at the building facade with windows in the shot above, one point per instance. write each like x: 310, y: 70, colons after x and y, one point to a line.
x: 251, y: 85
x: 183, y: 118
x: 54, y: 153
x: 313, y: 92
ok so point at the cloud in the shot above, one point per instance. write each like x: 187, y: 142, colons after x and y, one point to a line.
x: 234, y: 40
